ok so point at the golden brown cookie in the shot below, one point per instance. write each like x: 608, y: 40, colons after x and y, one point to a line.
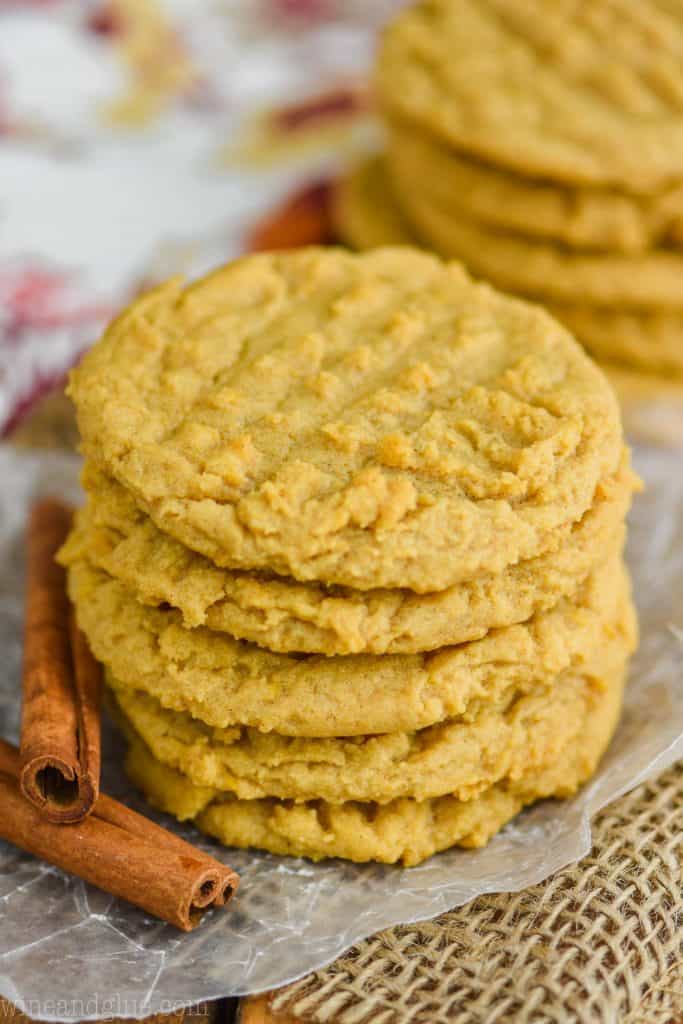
x: 584, y: 218
x: 375, y: 420
x: 499, y: 739
x: 579, y: 92
x: 403, y: 830
x: 570, y: 282
x: 549, y: 271
x: 651, y: 403
x: 284, y: 615
x: 651, y: 342
x: 365, y: 214
x: 228, y: 682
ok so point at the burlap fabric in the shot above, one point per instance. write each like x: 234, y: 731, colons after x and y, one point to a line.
x: 599, y: 943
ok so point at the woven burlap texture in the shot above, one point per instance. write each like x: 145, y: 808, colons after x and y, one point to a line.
x: 601, y: 942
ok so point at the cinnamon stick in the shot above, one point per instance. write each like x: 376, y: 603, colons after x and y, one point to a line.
x: 60, y: 729
x: 119, y: 851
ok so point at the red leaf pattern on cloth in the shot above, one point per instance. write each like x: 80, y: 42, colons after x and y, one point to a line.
x: 45, y: 322
x: 302, y: 10
x: 330, y: 106
x: 104, y: 21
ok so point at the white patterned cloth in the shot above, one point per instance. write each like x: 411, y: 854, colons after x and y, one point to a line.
x: 133, y: 145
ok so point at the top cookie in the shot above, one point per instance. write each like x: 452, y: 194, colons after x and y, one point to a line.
x: 578, y: 92
x: 372, y: 420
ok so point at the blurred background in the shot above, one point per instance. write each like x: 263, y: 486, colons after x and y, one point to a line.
x: 142, y: 138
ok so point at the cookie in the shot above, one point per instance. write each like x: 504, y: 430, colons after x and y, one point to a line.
x: 226, y: 682
x: 651, y: 342
x: 374, y: 421
x: 403, y: 830
x: 588, y: 93
x: 364, y: 211
x: 283, y: 615
x: 652, y: 405
x: 584, y: 218
x: 500, y: 739
x: 550, y: 271
x: 642, y: 288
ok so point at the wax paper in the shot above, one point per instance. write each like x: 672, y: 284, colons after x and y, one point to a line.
x: 70, y: 952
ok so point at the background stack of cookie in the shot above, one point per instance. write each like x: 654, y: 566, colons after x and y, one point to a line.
x: 542, y: 144
x: 352, y: 552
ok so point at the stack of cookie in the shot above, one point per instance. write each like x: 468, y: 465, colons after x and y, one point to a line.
x: 352, y: 552
x: 542, y: 144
